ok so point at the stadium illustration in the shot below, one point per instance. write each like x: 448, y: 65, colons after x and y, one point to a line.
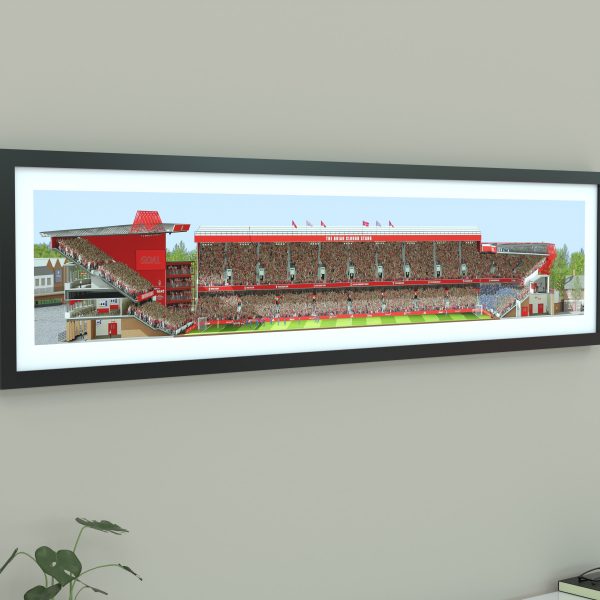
x: 118, y: 283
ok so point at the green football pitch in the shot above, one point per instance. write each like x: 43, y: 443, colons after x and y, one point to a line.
x: 337, y: 323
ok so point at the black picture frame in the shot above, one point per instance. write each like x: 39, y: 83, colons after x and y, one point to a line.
x: 10, y: 159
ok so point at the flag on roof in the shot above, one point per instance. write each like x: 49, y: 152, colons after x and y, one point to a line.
x: 365, y: 223
x: 294, y: 224
x: 390, y: 224
x: 323, y: 224
x: 308, y: 223
x: 377, y: 224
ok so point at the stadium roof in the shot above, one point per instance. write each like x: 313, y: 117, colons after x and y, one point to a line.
x: 334, y: 234
x: 118, y: 230
x: 359, y: 230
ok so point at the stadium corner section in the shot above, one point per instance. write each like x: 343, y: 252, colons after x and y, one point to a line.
x: 125, y: 276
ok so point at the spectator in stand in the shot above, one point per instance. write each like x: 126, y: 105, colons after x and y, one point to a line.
x: 242, y: 259
x: 171, y: 320
x: 446, y: 254
x: 335, y: 259
x: 277, y: 308
x: 211, y: 264
x: 362, y: 257
x: 500, y: 298
x: 304, y: 257
x: 125, y: 278
x: 83, y: 252
x: 174, y: 269
x: 389, y: 255
x: 419, y: 256
x: 292, y: 304
x: 116, y: 273
x: 273, y: 258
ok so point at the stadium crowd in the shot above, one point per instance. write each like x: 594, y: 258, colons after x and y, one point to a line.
x: 252, y: 306
x: 116, y: 273
x: 274, y: 260
x: 305, y: 258
x: 175, y: 269
x: 83, y: 252
x: 446, y: 254
x: 335, y: 259
x: 211, y: 264
x: 170, y: 319
x: 389, y: 256
x: 498, y: 265
x: 178, y: 282
x: 242, y: 259
x: 334, y: 302
x: 419, y: 256
x: 454, y: 260
x: 363, y: 257
x: 124, y: 278
x: 183, y: 296
x: 498, y: 298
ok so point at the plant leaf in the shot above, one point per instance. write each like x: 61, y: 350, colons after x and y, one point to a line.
x: 89, y: 587
x: 63, y: 565
x: 10, y: 559
x: 129, y: 570
x: 105, y: 526
x: 39, y: 592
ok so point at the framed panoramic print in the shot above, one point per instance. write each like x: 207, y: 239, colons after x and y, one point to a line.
x: 131, y: 266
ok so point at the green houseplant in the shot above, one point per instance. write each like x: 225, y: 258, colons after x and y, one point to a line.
x: 62, y: 570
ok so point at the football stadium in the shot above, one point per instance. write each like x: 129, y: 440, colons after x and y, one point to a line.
x: 118, y: 283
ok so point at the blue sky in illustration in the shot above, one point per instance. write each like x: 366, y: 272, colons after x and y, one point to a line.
x: 559, y: 222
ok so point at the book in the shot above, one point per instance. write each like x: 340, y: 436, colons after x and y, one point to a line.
x: 583, y: 589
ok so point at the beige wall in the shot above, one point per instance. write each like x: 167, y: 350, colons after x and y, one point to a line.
x: 420, y: 479
x: 134, y: 328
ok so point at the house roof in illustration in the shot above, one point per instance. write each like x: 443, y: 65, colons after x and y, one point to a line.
x: 51, y: 262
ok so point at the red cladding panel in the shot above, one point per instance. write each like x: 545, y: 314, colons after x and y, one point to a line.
x: 149, y: 260
x: 547, y: 266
